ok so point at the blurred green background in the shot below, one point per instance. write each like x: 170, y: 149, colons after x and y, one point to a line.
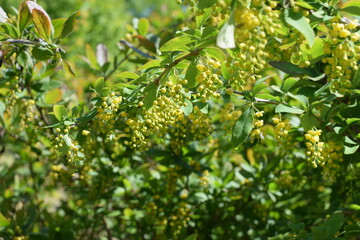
x: 101, y: 20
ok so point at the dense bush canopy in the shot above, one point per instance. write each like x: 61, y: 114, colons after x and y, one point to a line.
x: 205, y: 119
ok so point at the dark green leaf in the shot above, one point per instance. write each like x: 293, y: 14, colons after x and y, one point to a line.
x: 296, y: 227
x: 242, y: 128
x: 192, y: 237
x: 69, y: 25
x: 191, y: 74
x: 292, y: 69
x: 308, y: 121
x: 151, y: 96
x: 42, y: 53
x: 206, y: 3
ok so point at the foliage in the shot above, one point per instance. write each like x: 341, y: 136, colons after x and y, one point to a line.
x: 236, y: 118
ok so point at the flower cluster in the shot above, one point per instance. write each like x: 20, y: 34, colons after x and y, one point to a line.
x: 333, y: 157
x: 200, y: 124
x: 315, y: 147
x: 282, y: 129
x: 179, y: 220
x: 64, y: 143
x: 258, y: 123
x: 228, y: 117
x: 107, y: 112
x: 256, y: 22
x: 208, y: 80
x: 343, y: 52
x: 204, y: 178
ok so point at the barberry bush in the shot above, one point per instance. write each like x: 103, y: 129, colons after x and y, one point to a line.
x: 225, y: 119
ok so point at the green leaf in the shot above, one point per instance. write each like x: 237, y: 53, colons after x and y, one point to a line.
x: 288, y: 83
x: 216, y: 53
x: 352, y: 7
x: 299, y: 22
x: 11, y: 31
x: 242, y: 128
x: 91, y: 57
x: 24, y: 58
x: 69, y: 25
x: 352, y: 120
x: 188, y: 108
x: 204, y: 107
x: 150, y: 64
x: 177, y: 44
x: 143, y: 26
x: 297, y: 227
x: 304, y: 5
x: 308, y: 121
x: 201, y: 19
x: 352, y: 231
x: 202, y: 4
x: 259, y: 87
x: 24, y: 16
x: 58, y: 25
x: 192, y: 237
x: 316, y: 51
x: 281, y: 108
x: 350, y: 150
x: 3, y: 221
x: 42, y: 53
x: 60, y: 112
x: 67, y: 67
x: 334, y: 223
x: 300, y: 98
x: 191, y: 74
x: 128, y: 74
x: 226, y: 36
x: 53, y: 96
x: 42, y: 23
x: 292, y: 69
x: 99, y: 85
x: 151, y: 96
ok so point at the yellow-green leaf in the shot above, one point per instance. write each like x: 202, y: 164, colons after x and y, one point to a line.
x: 143, y: 26
x: 128, y: 74
x: 91, y: 57
x: 42, y: 24
x: 53, y: 96
x: 4, y: 222
x: 177, y: 44
x: 24, y: 16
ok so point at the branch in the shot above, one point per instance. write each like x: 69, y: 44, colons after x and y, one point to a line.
x: 176, y: 62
